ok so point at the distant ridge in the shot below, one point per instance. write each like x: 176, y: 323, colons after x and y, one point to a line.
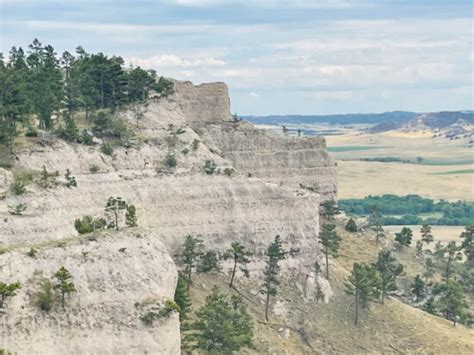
x: 351, y: 118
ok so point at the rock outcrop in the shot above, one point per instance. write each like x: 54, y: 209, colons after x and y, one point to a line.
x: 261, y: 198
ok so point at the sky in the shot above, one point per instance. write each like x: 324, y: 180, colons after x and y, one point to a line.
x: 276, y: 56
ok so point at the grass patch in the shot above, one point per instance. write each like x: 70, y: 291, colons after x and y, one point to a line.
x: 447, y: 162
x: 455, y: 172
x: 350, y: 148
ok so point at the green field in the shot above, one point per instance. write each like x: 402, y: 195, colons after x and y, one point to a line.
x: 350, y: 148
x: 455, y: 172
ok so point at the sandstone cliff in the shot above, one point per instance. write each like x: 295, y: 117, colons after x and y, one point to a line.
x: 261, y: 199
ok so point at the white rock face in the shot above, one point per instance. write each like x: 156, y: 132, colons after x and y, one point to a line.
x: 260, y: 200
x: 102, y: 316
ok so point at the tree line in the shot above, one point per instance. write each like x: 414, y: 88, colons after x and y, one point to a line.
x: 40, y: 83
x: 409, y: 207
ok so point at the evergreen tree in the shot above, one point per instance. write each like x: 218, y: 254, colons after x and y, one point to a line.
x: 430, y: 269
x: 223, y: 325
x: 64, y: 283
x: 208, y: 262
x: 330, y: 241
x: 274, y: 255
x: 8, y: 290
x: 375, y: 220
x: 388, y: 270
x: 453, y: 254
x: 467, y: 245
x: 192, y: 252
x: 364, y: 285
x: 404, y: 237
x: 131, y: 216
x: 329, y: 210
x: 115, y: 206
x: 451, y: 300
x: 181, y: 297
x: 240, y: 257
x: 418, y: 288
x: 426, y: 236
x: 430, y: 306
x: 351, y: 226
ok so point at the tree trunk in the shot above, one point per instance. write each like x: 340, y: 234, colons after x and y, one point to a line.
x: 62, y: 299
x: 116, y: 221
x: 189, y: 278
x: 357, y: 307
x: 267, y: 302
x: 327, y: 263
x: 233, y: 274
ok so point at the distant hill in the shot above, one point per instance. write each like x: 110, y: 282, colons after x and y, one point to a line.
x: 351, y: 118
x: 386, y: 121
x: 438, y: 120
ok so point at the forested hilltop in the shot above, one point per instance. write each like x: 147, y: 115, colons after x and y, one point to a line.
x: 41, y: 88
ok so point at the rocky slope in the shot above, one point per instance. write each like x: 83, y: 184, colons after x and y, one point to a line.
x: 262, y: 198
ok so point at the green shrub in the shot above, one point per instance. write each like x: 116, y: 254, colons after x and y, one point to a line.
x: 160, y: 313
x: 180, y: 131
x: 210, y: 167
x: 195, y: 144
x: 31, y: 132
x: 170, y: 160
x: 107, y: 149
x: 32, y: 253
x: 88, y: 224
x: 85, y: 138
x: 94, y: 169
x: 18, y: 209
x: 185, y: 151
x: 229, y: 171
x: 70, y: 180
x: 6, y: 164
x: 45, y: 296
x: 20, y: 181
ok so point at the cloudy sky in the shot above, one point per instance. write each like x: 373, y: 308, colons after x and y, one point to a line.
x: 277, y: 56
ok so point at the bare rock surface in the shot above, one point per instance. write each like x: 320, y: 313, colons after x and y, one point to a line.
x: 114, y: 275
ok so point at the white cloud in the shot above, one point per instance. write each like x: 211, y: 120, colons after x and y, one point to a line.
x: 174, y: 61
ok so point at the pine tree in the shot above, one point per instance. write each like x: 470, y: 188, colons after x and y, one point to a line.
x: 430, y: 306
x: 329, y: 210
x: 115, y: 206
x: 418, y: 288
x: 208, y: 262
x: 451, y: 300
x: 330, y: 241
x: 363, y: 284
x: 467, y: 244
x: 181, y: 297
x: 64, y: 283
x: 351, y: 226
x: 453, y: 254
x: 274, y: 255
x: 404, y: 237
x: 131, y: 216
x: 430, y: 269
x: 223, y: 324
x: 388, y: 270
x: 426, y: 236
x: 192, y: 252
x: 375, y: 220
x: 8, y: 290
x: 240, y: 257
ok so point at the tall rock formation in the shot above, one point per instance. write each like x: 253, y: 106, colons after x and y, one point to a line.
x: 116, y: 271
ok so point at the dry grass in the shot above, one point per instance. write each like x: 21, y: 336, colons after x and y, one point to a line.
x: 358, y: 179
x: 394, y: 327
